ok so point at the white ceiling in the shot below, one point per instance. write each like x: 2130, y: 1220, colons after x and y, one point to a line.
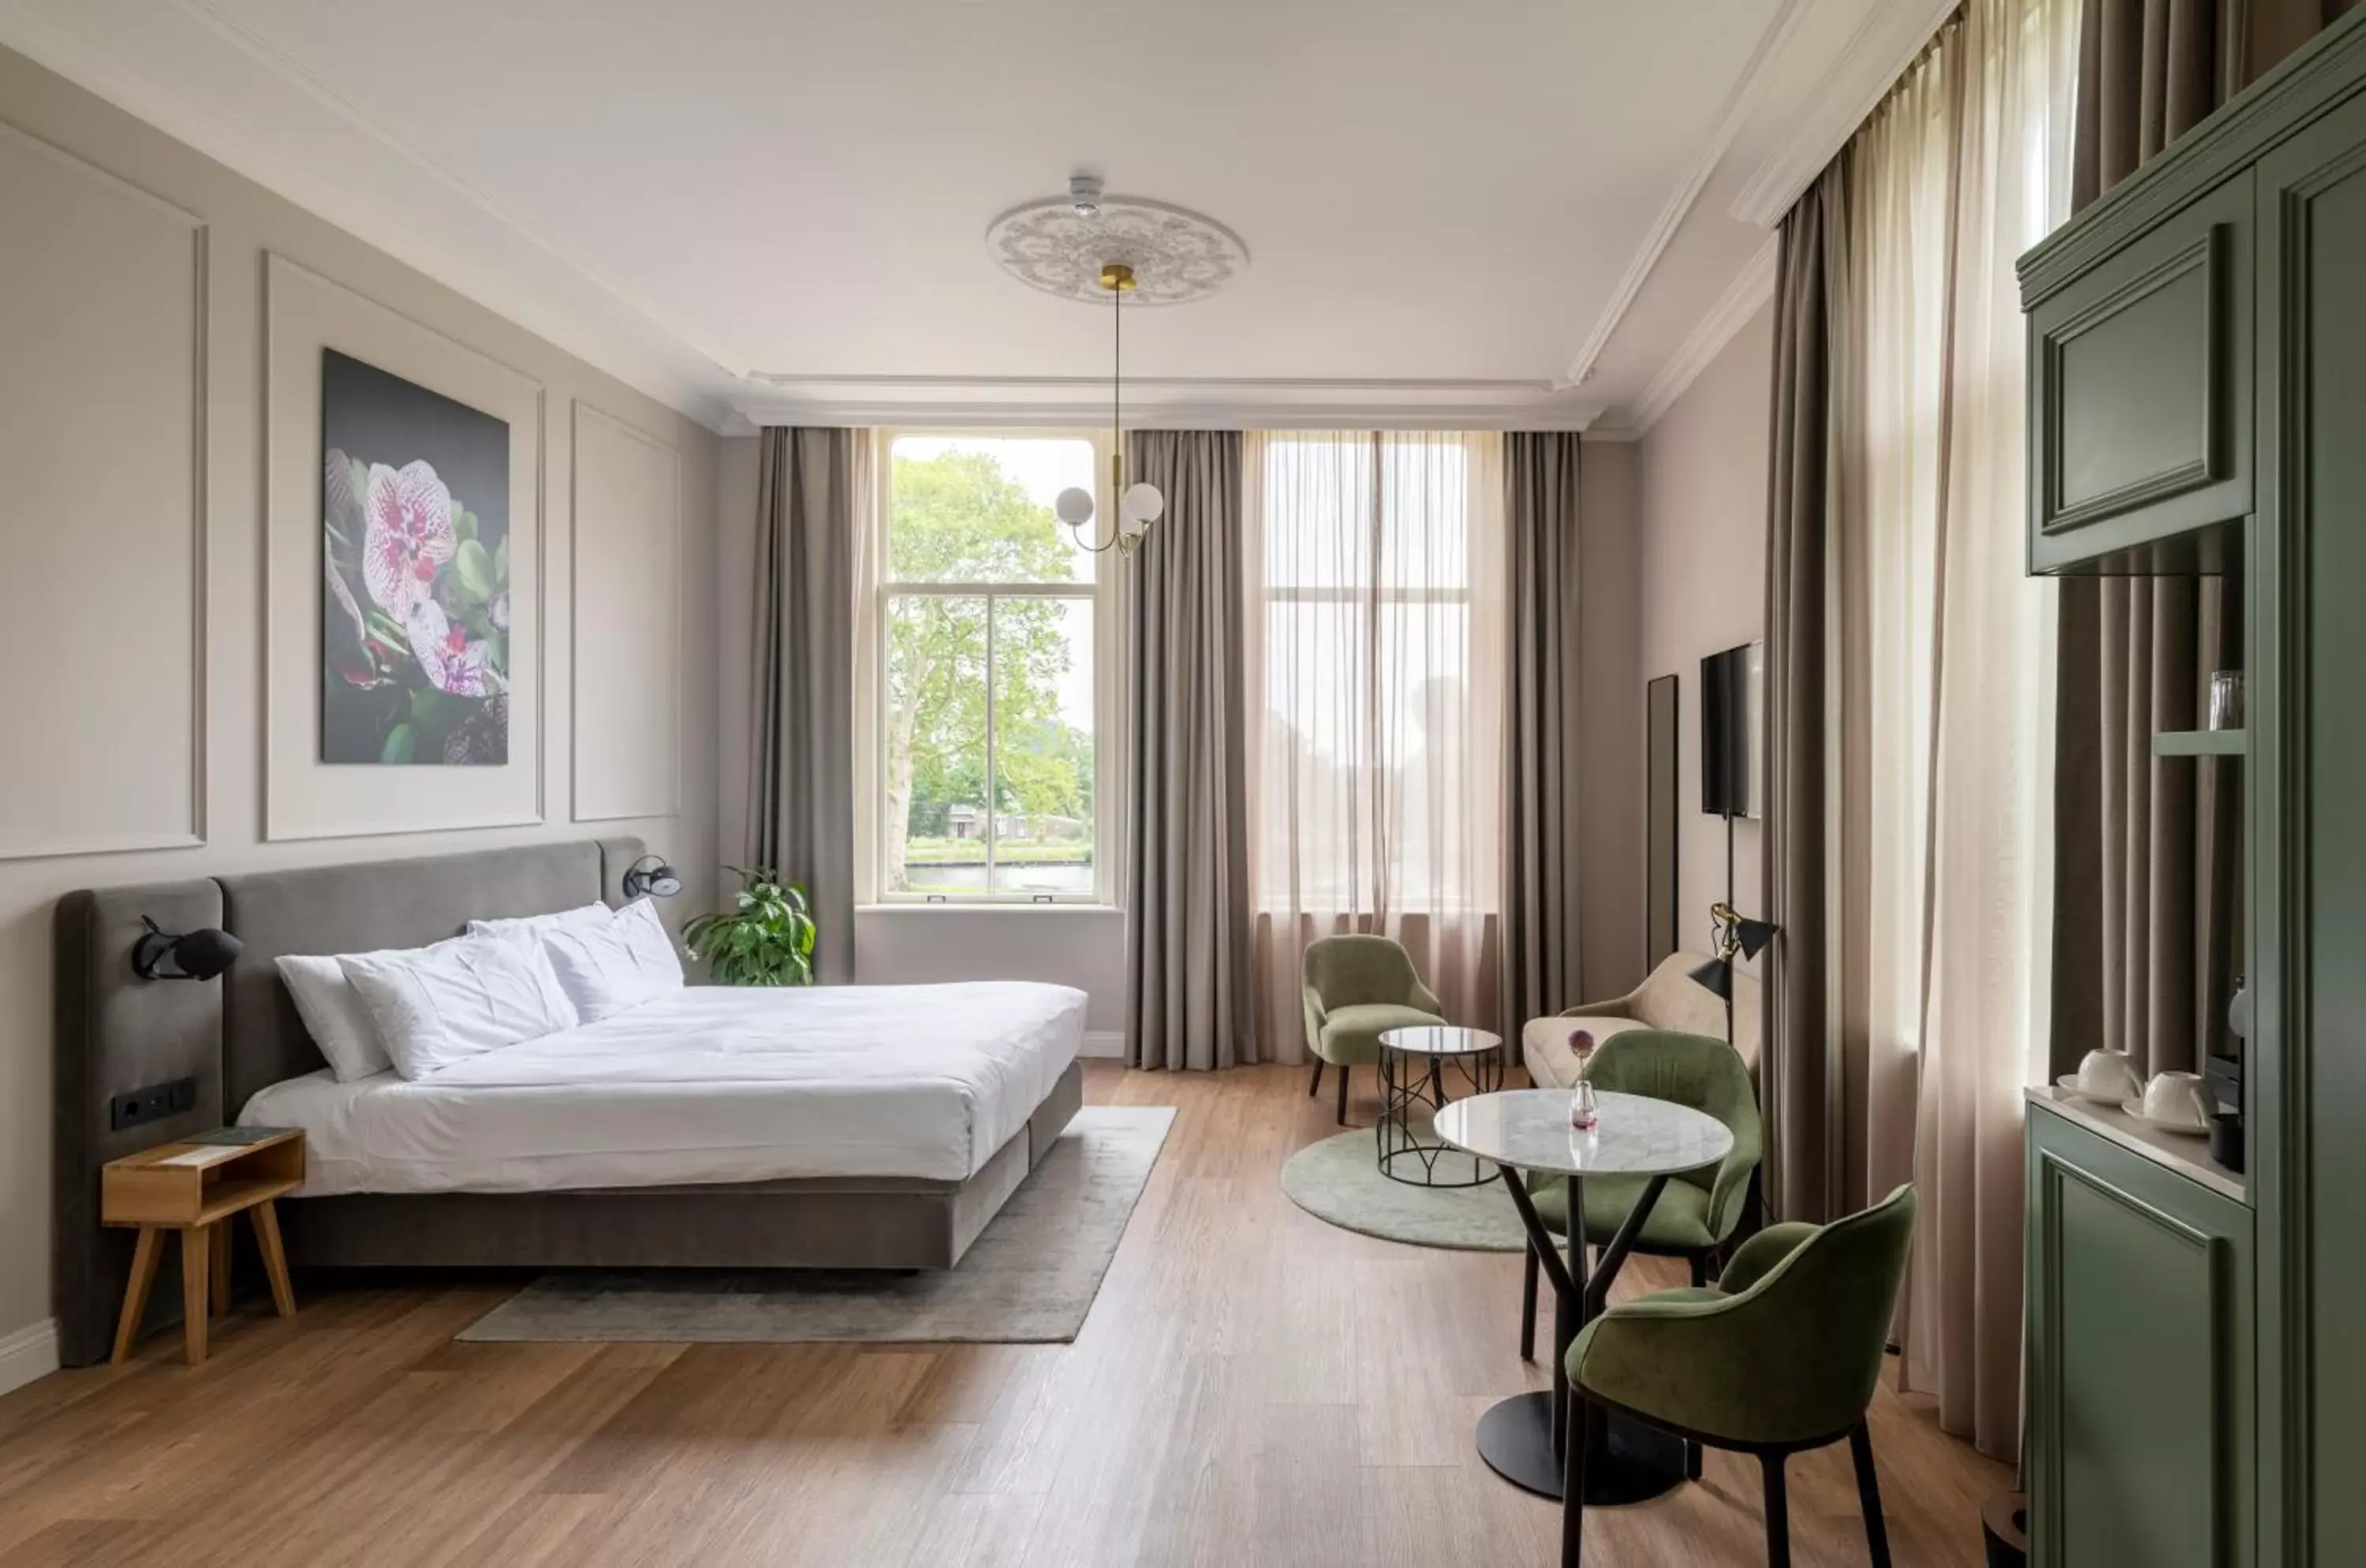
x: 775, y: 208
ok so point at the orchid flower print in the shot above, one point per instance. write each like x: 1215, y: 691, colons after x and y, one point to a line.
x: 416, y: 608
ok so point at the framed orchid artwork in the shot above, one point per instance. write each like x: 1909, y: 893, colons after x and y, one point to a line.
x: 415, y: 549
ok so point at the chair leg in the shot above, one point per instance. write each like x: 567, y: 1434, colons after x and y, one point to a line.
x: 1868, y: 1495
x: 1529, y: 1271
x: 1692, y: 1461
x: 1700, y: 1271
x: 1778, y: 1512
x: 1316, y: 1086
x: 1342, y: 1093
x: 1572, y: 1483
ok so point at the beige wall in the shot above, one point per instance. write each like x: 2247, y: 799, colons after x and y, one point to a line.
x: 1703, y: 503
x: 141, y: 418
x: 1610, y: 710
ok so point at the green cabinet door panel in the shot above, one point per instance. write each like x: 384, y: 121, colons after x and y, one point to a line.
x: 2140, y: 1361
x: 2140, y: 407
x: 2312, y: 193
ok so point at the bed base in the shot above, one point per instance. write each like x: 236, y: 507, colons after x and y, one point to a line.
x: 816, y: 1223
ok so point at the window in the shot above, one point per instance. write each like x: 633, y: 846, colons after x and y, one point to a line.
x: 988, y: 700
x: 1376, y: 599
x: 1380, y: 682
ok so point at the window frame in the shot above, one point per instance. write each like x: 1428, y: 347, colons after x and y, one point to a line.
x: 1372, y: 598
x: 878, y: 596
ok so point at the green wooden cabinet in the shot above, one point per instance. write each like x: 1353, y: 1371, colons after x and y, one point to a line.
x: 2198, y: 357
x: 2140, y: 1340
x: 2311, y: 220
x: 2140, y: 396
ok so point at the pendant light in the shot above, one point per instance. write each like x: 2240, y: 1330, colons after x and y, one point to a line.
x: 1140, y: 505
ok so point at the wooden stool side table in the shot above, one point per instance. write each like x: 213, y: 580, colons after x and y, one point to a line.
x: 167, y: 1189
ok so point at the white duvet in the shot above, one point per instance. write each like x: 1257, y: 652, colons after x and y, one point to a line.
x: 704, y: 1085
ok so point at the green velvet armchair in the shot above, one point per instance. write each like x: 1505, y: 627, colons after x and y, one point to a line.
x: 1781, y: 1356
x: 1697, y: 1213
x: 1357, y: 986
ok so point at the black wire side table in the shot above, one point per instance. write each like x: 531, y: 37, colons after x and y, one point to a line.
x: 1417, y: 1068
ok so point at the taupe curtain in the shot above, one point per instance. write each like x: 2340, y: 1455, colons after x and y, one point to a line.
x: 1543, y: 772
x: 811, y: 493
x: 1800, y: 1083
x: 1189, y: 999
x: 2147, y: 912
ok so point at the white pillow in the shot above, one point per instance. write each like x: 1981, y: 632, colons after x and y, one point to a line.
x: 435, y: 1006
x: 606, y: 968
x: 335, y: 1015
x: 532, y: 927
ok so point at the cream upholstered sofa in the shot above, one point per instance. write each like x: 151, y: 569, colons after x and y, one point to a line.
x: 1669, y: 999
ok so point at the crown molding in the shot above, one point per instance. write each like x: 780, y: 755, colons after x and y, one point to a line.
x: 677, y: 374
x: 1186, y: 403
x: 1885, y: 43
x: 1751, y: 288
x: 1776, y: 38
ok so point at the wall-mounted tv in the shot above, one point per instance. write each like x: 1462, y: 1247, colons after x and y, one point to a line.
x: 1733, y: 686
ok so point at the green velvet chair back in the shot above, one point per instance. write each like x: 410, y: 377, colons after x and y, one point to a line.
x: 1707, y: 1075
x: 1351, y: 971
x: 1786, y: 1350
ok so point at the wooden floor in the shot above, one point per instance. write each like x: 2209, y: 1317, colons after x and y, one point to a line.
x: 1253, y: 1387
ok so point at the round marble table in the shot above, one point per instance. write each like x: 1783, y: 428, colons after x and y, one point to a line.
x: 1416, y: 1065
x: 1522, y: 1437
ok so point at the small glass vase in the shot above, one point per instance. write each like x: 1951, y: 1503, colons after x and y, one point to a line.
x: 1585, y: 1108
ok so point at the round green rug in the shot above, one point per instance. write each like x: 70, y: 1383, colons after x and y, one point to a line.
x: 1336, y: 1180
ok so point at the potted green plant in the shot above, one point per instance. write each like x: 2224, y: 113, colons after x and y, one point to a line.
x: 767, y: 941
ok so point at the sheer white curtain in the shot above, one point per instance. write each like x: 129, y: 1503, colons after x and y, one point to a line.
x: 1375, y: 686
x: 1947, y: 673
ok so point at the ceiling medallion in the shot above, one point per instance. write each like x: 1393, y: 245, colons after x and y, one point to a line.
x: 1060, y: 245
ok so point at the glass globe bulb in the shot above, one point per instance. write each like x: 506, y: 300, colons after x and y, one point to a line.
x: 1073, y: 507
x: 1144, y: 503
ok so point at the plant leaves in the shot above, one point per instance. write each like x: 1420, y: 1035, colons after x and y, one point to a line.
x: 400, y: 743
x: 464, y: 523
x: 474, y: 566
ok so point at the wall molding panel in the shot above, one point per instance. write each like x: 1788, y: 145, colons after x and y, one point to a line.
x: 305, y: 312
x: 97, y: 506
x: 624, y: 573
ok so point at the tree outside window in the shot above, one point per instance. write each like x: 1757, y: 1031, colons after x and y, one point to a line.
x: 987, y: 707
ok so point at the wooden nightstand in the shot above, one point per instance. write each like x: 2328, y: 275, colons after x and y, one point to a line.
x: 196, y: 1189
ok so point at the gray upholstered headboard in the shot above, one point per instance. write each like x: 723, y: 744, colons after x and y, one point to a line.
x: 235, y: 1036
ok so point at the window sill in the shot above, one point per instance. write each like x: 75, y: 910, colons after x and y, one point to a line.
x: 984, y: 906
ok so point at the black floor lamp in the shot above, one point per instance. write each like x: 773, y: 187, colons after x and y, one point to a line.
x: 1736, y: 932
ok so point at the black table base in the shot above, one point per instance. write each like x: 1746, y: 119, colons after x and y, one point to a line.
x: 1521, y: 1438
x: 1413, y: 1091
x: 1625, y: 1462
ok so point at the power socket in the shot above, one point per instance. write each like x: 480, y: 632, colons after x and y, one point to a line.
x: 152, y: 1103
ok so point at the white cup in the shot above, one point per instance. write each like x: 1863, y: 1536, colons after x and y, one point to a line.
x: 2179, y: 1100
x: 2110, y: 1074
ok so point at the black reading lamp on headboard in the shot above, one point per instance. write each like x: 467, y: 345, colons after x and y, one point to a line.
x: 160, y: 954
x: 651, y: 877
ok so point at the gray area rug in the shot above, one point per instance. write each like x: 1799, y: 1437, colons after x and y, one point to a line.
x: 1337, y: 1181
x: 1030, y: 1278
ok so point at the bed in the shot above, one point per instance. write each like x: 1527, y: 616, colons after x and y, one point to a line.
x: 708, y: 1085
x: 840, y: 1127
